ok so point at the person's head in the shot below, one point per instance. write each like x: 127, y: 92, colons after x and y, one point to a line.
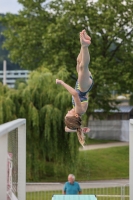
x: 71, y: 178
x: 72, y: 120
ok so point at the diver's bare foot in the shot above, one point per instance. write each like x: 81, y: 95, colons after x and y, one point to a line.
x: 85, y: 129
x: 58, y: 81
x: 84, y: 42
x: 86, y: 36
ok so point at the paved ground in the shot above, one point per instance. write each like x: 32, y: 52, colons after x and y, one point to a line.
x: 102, y: 146
x: 88, y: 184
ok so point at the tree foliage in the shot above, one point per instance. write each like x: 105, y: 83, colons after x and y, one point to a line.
x: 110, y: 25
x: 4, y: 52
x: 48, y: 36
x: 6, y: 105
x: 44, y: 105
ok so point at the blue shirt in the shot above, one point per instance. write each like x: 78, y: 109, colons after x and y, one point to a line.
x: 73, y: 188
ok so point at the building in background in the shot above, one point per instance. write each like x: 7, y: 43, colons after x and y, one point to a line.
x: 111, y: 126
x: 12, y: 75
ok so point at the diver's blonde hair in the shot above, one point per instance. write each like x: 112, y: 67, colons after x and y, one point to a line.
x: 74, y: 123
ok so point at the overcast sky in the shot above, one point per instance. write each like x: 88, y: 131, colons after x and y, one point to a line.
x: 11, y: 6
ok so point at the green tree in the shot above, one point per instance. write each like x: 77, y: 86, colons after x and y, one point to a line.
x: 50, y: 35
x: 109, y: 23
x: 7, y: 108
x: 44, y: 105
x: 25, y: 34
x: 4, y: 52
x: 18, y: 81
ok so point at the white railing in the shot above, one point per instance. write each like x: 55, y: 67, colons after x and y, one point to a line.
x: 5, y: 130
x: 104, y: 190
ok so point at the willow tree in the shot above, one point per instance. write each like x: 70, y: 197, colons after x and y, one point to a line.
x: 50, y: 151
x: 7, y: 108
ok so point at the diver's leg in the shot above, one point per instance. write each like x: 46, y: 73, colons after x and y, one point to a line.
x: 83, y: 69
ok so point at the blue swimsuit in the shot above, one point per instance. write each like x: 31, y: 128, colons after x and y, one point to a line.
x: 82, y: 95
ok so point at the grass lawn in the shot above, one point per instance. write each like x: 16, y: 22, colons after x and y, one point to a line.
x: 89, y: 141
x: 99, y: 164
x: 103, y: 164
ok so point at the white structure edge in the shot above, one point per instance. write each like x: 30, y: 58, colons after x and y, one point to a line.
x: 4, y: 130
x: 131, y: 159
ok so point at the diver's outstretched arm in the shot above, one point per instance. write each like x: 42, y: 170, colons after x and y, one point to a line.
x: 84, y: 129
